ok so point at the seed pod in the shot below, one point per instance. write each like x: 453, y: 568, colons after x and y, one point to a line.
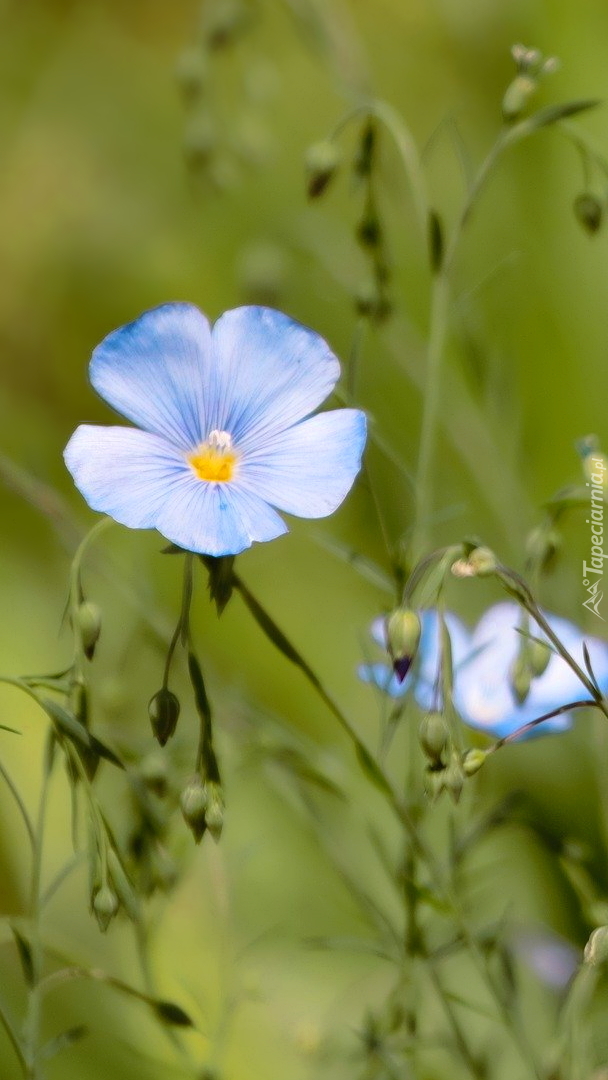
x: 163, y: 711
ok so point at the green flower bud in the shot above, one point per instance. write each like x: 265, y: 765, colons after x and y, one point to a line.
x: 542, y: 546
x: 105, y: 906
x: 321, y: 162
x: 517, y: 95
x: 193, y: 802
x: 88, y: 619
x: 154, y: 772
x: 472, y: 760
x: 163, y: 711
x: 369, y: 231
x: 539, y: 655
x: 434, y: 781
x: 199, y: 141
x: 521, y: 677
x: 588, y: 211
x: 190, y: 73
x: 454, y: 779
x: 434, y: 736
x: 214, y: 814
x: 482, y: 561
x: 596, y: 949
x: 403, y: 637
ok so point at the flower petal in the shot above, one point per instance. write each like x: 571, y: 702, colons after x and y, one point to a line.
x: 158, y: 372
x: 142, y: 481
x: 381, y: 676
x: 273, y: 372
x: 308, y: 469
x: 124, y: 472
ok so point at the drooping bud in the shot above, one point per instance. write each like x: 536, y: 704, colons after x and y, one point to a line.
x: 190, y: 73
x: 434, y: 781
x: 105, y: 906
x: 473, y: 759
x: 521, y: 676
x: 596, y: 949
x: 163, y: 711
x: 588, y: 211
x: 542, y: 546
x: 454, y: 778
x: 154, y: 773
x: 89, y: 625
x: 539, y: 655
x: 321, y: 162
x: 434, y: 736
x: 214, y: 813
x: 402, y: 638
x: 193, y: 801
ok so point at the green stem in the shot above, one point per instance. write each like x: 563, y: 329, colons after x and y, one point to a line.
x: 13, y: 1038
x: 431, y: 412
x: 32, y: 1022
x: 14, y: 790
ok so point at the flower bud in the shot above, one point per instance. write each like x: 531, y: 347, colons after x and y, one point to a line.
x: 193, y: 802
x: 521, y: 676
x: 542, y: 545
x: 89, y: 625
x: 596, y: 949
x: 454, y: 779
x: 472, y: 760
x: 321, y: 162
x: 163, y: 711
x: 434, y: 735
x: 539, y: 655
x: 482, y: 561
x: 105, y: 906
x: 214, y: 813
x: 588, y: 211
x: 369, y: 231
x: 190, y: 74
x: 517, y: 95
x: 153, y: 772
x: 402, y: 637
x: 434, y: 781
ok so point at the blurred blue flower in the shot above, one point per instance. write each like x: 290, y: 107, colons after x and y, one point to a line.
x: 483, y: 661
x: 226, y: 433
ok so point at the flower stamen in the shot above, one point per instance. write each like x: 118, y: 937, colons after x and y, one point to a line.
x: 214, y: 460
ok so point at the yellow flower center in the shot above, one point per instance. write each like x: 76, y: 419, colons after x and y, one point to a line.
x: 214, y: 460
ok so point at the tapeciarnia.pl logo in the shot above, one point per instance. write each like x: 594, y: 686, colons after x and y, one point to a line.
x: 593, y: 571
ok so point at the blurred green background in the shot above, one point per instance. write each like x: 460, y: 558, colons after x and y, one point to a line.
x: 121, y: 188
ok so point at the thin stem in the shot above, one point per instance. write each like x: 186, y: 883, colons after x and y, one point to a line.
x: 32, y: 1023
x: 13, y: 1039
x: 27, y: 821
x: 475, y: 1066
x: 431, y: 411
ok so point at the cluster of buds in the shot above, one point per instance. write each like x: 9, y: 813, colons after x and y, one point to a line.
x: 447, y: 768
x: 532, y: 66
x: 202, y: 804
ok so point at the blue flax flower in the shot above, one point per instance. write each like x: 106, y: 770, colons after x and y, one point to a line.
x: 483, y: 661
x: 225, y: 432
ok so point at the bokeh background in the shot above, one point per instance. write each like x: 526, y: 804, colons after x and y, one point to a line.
x: 136, y: 169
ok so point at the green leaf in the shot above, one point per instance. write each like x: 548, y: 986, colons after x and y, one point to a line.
x: 371, y: 769
x: 552, y: 114
x: 66, y: 724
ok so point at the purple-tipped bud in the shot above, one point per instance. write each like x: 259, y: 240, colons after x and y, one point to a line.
x: 402, y: 638
x: 163, y: 711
